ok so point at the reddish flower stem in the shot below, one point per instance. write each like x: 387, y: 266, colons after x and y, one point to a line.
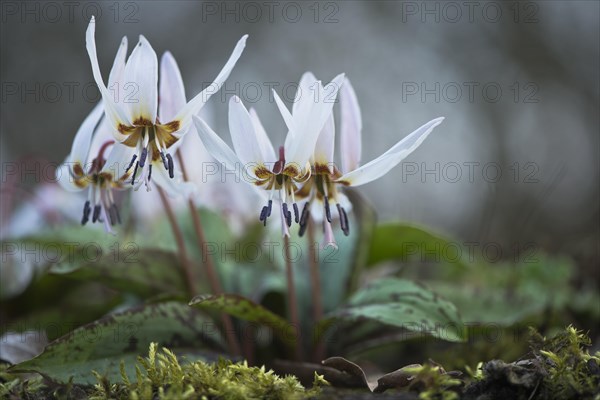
x: 211, y: 273
x: 292, y: 301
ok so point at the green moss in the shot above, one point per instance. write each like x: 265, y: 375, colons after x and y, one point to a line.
x: 568, y: 370
x: 161, y: 376
x: 433, y: 383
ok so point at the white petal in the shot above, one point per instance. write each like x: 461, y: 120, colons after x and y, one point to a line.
x: 307, y: 87
x: 325, y: 144
x: 118, y: 160
x: 306, y: 95
x: 83, y: 138
x: 246, y: 142
x: 285, y: 113
x: 268, y: 153
x: 113, y: 111
x: 117, y: 73
x: 350, y: 128
x: 175, y: 186
x: 140, y: 82
x: 194, y: 105
x: 301, y: 148
x: 172, y: 91
x: 216, y: 146
x: 64, y: 177
x: 388, y: 160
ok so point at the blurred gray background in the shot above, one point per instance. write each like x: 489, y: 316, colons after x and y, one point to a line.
x: 518, y: 83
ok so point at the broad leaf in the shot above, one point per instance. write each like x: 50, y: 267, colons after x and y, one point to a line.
x: 146, y: 273
x: 403, y: 304
x: 408, y: 243
x: 101, y: 345
x: 247, y: 310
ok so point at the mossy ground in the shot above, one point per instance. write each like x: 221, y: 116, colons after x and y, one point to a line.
x: 555, y: 368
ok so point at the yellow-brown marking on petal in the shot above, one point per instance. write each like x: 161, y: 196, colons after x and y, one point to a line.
x: 141, y: 121
x: 132, y: 140
x: 125, y: 129
x: 322, y: 169
x: 291, y: 170
x: 77, y: 170
x: 262, y: 172
x: 171, y: 127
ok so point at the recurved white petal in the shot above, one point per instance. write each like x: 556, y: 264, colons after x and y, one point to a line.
x: 194, y: 105
x: 325, y: 144
x: 117, y: 73
x: 83, y: 138
x: 118, y: 160
x: 140, y: 86
x: 308, y: 87
x: 350, y: 128
x: 172, y: 91
x: 388, y: 160
x: 246, y: 142
x: 301, y: 148
x: 114, y: 111
x: 175, y: 186
x: 216, y: 146
x: 266, y: 147
x: 64, y: 177
x: 287, y: 116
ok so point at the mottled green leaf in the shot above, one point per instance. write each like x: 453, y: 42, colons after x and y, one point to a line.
x: 145, y: 272
x: 101, y: 345
x: 404, y: 304
x: 245, y: 309
x: 408, y: 243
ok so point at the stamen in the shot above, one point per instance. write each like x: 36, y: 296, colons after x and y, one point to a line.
x: 137, y: 164
x: 131, y: 163
x: 86, y: 213
x: 96, y: 215
x: 287, y: 214
x: 269, y: 208
x: 170, y: 166
x: 149, y: 172
x: 305, y: 214
x: 143, y: 157
x: 111, y: 215
x: 327, y: 209
x: 343, y: 220
x: 164, y: 160
x: 263, y: 215
x: 304, y: 220
x: 296, y: 213
x: 116, y: 212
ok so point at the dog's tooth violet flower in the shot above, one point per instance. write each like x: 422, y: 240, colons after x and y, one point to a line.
x: 322, y: 190
x: 95, y: 171
x: 131, y: 105
x: 279, y: 173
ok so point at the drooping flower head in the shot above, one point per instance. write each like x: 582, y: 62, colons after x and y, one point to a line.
x: 97, y: 171
x: 321, y: 191
x: 132, y: 106
x: 279, y: 173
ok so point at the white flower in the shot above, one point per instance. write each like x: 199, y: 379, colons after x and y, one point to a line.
x: 321, y: 190
x: 95, y: 171
x: 132, y: 104
x: 281, y: 173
